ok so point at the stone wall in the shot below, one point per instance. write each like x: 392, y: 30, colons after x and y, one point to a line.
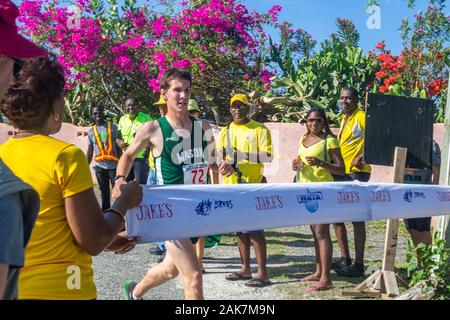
x: 285, y: 142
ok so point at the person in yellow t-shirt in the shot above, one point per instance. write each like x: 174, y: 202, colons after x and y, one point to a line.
x: 248, y: 145
x: 318, y: 158
x: 351, y: 140
x: 70, y: 226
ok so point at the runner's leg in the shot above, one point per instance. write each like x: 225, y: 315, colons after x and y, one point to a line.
x: 156, y: 276
x: 183, y: 256
x: 200, y: 250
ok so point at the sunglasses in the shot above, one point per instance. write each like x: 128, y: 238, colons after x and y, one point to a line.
x: 311, y: 120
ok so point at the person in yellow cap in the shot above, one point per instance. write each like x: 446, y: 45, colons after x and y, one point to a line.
x: 162, y: 105
x: 193, y: 109
x: 248, y: 145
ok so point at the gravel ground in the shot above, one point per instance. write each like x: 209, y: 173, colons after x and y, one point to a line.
x: 290, y: 257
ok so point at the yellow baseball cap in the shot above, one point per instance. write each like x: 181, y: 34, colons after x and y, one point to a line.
x: 239, y: 97
x: 193, y: 105
x: 161, y: 101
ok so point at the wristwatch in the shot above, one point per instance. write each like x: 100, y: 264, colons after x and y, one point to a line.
x: 118, y: 177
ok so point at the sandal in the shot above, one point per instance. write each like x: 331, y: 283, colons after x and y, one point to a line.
x: 257, y: 283
x: 235, y: 276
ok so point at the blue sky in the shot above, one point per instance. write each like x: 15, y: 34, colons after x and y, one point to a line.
x: 318, y: 17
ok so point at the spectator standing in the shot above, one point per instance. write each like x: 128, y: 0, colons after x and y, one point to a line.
x: 103, y: 140
x: 70, y: 226
x: 351, y: 140
x: 318, y: 158
x: 18, y: 200
x: 248, y: 145
x: 129, y: 124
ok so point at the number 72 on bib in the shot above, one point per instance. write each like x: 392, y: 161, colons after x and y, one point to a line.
x: 195, y: 173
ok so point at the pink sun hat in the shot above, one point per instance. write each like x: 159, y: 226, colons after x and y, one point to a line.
x: 12, y: 44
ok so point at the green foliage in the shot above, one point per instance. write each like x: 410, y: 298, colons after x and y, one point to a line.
x: 434, y: 268
x: 411, y: 3
x: 317, y: 81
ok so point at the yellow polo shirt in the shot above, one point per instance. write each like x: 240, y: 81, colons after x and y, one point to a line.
x: 315, y: 173
x: 55, y: 266
x: 351, y: 139
x: 252, y: 137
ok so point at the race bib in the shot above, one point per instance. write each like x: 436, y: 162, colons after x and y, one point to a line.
x: 195, y: 173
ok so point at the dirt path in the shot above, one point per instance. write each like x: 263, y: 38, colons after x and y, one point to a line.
x: 291, y: 256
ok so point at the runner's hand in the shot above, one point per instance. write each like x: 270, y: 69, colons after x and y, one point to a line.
x: 226, y: 169
x: 127, y: 195
x: 116, y: 190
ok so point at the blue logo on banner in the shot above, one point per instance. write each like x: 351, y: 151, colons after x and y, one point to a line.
x: 206, y: 207
x: 311, y: 200
x: 409, y: 195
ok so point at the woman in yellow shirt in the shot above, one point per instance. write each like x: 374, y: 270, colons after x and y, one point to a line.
x: 319, y: 156
x: 70, y: 226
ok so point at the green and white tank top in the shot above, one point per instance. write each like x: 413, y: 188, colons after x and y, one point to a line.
x: 182, y: 161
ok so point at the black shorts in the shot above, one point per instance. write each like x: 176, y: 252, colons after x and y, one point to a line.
x: 418, y: 224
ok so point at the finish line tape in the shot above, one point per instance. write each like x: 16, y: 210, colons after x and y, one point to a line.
x: 173, y: 212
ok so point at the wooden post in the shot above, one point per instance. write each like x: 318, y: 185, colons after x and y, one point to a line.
x: 384, y: 282
x: 444, y: 178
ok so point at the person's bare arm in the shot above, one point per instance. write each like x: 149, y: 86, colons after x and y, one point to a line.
x: 3, y: 276
x: 90, y: 153
x: 92, y: 229
x: 335, y: 167
x: 141, y: 141
x: 436, y: 172
x: 119, y: 140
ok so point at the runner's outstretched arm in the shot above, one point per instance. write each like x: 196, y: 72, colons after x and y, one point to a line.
x: 141, y: 141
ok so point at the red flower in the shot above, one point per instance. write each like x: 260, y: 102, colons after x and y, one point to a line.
x: 437, y: 86
x: 380, y: 46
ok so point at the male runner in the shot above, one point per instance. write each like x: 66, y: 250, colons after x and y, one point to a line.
x: 181, y: 155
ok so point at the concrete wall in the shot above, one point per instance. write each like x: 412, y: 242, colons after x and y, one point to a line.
x: 285, y: 141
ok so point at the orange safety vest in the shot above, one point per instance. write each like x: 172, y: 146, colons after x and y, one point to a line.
x: 105, y: 153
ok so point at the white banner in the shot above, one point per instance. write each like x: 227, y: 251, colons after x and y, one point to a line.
x: 181, y: 211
